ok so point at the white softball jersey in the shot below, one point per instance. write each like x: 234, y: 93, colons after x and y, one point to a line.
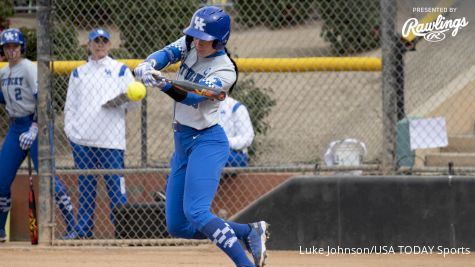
x: 216, y: 70
x: 19, y: 86
x: 235, y: 120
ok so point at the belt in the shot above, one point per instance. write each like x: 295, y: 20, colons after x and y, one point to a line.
x: 21, y: 120
x: 177, y: 127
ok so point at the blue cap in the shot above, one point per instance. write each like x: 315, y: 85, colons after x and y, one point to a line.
x: 99, y: 32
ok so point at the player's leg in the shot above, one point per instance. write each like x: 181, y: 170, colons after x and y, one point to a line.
x: 205, y: 163
x: 63, y: 202
x: 254, y: 235
x: 61, y: 196
x: 85, y: 158
x: 237, y: 159
x: 11, y: 158
x: 242, y: 230
x: 113, y: 159
x: 177, y: 224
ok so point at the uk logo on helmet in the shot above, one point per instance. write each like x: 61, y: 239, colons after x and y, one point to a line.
x: 9, y: 36
x: 199, y: 24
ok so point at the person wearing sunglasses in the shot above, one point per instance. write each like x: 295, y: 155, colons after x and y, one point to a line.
x: 97, y: 133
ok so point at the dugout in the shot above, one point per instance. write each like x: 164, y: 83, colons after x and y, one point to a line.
x: 143, y: 209
x: 361, y: 212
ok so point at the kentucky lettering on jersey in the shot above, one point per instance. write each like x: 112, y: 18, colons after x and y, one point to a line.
x: 189, y: 74
x: 12, y: 81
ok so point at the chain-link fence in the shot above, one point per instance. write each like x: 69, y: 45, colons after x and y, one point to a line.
x: 341, y: 111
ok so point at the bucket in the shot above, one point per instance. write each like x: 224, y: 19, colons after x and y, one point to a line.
x: 346, y: 152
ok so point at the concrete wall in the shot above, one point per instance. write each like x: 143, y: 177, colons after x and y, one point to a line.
x: 362, y: 212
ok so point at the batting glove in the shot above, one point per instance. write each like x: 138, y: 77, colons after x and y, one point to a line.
x: 27, y: 138
x: 163, y: 84
x: 144, y: 71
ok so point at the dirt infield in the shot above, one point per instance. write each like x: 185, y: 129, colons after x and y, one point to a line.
x: 24, y: 255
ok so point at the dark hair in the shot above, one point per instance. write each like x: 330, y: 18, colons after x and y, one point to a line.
x: 189, y: 39
x: 235, y: 67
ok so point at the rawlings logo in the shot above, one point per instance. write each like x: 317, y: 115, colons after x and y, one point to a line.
x: 433, y: 31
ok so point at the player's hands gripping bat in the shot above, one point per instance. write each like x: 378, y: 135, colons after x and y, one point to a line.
x: 189, y: 87
x: 33, y: 222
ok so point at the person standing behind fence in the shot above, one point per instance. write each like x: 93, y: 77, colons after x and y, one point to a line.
x: 97, y: 133
x: 235, y: 120
x: 201, y: 145
x: 19, y: 88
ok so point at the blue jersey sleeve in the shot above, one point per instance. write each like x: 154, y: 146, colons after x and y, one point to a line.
x: 2, y: 98
x: 168, y: 55
x: 192, y: 99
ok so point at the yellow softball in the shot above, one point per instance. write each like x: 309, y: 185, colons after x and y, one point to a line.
x: 136, y: 91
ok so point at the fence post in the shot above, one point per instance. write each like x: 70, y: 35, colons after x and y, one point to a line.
x: 389, y: 41
x: 45, y: 122
x: 398, y: 75
x: 143, y: 133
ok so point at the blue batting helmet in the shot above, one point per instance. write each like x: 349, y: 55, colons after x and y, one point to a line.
x: 12, y: 36
x: 210, y: 23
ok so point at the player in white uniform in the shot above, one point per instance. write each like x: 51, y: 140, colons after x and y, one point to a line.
x: 96, y: 133
x: 19, y: 88
x: 235, y: 120
x: 201, y: 146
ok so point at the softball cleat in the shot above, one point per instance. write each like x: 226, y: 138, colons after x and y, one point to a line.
x: 256, y: 242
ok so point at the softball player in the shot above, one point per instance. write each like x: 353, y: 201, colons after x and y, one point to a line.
x: 96, y: 133
x: 201, y: 146
x: 18, y: 82
x: 235, y: 120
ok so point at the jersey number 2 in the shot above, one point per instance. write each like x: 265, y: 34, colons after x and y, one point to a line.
x: 18, y: 94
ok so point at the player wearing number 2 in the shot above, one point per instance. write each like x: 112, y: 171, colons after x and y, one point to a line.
x: 201, y: 146
x: 18, y: 83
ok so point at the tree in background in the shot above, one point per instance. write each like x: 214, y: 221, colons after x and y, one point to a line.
x: 30, y: 36
x: 272, y: 14
x: 259, y: 103
x: 350, y: 26
x: 155, y: 24
x: 145, y: 25
x: 6, y: 11
x: 82, y: 13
